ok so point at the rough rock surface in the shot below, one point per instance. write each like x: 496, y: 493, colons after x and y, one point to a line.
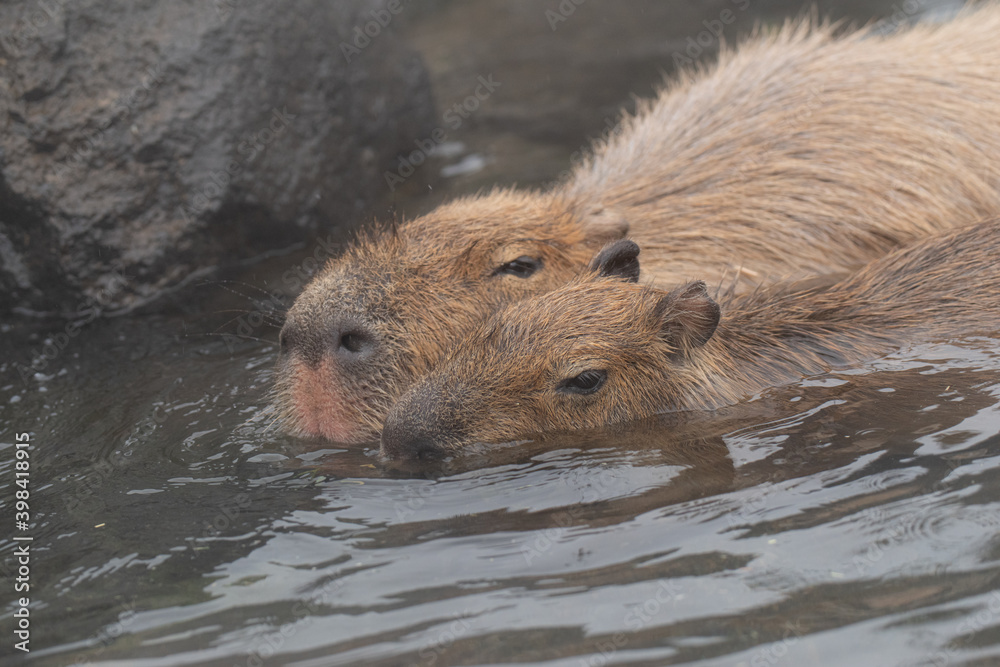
x: 143, y: 143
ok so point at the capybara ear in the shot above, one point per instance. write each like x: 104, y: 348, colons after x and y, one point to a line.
x: 605, y: 224
x: 688, y: 316
x: 618, y: 258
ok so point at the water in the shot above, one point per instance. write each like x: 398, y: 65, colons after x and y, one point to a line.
x: 849, y: 519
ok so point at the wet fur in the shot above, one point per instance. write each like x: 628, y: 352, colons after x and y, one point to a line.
x: 501, y: 382
x: 798, y: 154
x: 801, y: 153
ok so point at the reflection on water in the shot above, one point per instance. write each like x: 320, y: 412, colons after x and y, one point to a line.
x: 852, y: 518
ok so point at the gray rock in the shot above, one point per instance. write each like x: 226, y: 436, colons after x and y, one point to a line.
x: 144, y: 143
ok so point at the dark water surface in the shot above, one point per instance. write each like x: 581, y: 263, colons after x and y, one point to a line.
x: 850, y: 519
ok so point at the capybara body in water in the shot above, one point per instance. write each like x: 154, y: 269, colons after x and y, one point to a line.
x: 800, y: 153
x: 601, y: 350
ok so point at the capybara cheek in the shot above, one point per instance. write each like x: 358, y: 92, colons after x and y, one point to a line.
x: 323, y: 408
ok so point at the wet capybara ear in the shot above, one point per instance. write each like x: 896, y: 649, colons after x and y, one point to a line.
x: 618, y: 258
x: 688, y: 316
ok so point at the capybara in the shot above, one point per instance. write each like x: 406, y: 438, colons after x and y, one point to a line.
x: 803, y: 152
x: 601, y: 350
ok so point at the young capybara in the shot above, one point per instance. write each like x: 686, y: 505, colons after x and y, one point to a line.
x: 801, y: 153
x: 601, y: 350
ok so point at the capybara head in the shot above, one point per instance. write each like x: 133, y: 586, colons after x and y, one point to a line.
x: 598, y: 351
x: 397, y: 301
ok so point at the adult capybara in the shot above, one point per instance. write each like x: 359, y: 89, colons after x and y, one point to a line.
x: 801, y: 153
x: 600, y: 350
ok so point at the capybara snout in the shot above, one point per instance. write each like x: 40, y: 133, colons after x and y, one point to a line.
x: 394, y: 305
x: 346, y: 338
x: 425, y: 424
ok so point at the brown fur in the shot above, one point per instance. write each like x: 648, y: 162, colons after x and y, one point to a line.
x: 798, y: 154
x: 662, y: 351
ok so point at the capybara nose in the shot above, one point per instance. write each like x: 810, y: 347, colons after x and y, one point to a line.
x: 345, y: 339
x: 401, y: 440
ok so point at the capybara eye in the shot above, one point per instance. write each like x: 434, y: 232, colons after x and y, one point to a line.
x: 522, y: 267
x: 352, y: 342
x: 586, y: 382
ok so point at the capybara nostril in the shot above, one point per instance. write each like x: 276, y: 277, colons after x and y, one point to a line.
x: 415, y: 429
x: 355, y: 342
x: 423, y: 449
x: 399, y: 441
x: 352, y: 342
x: 345, y: 340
